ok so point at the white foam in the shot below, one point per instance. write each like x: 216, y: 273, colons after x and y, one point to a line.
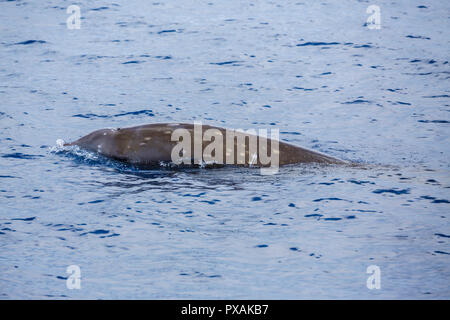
x: 60, y: 143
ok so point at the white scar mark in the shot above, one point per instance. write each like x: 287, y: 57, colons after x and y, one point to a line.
x: 142, y: 144
x: 148, y: 138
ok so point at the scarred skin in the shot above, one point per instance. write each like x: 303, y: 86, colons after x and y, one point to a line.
x: 148, y: 145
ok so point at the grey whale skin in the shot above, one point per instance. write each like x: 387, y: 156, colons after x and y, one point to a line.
x: 150, y: 144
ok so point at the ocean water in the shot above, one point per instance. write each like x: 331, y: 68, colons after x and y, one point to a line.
x: 312, y: 69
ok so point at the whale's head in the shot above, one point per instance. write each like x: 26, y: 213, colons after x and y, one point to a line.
x: 103, y: 141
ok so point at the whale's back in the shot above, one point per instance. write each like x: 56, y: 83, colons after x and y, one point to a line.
x: 152, y: 143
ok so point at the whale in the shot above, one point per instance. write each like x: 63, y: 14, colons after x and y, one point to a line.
x: 191, y: 144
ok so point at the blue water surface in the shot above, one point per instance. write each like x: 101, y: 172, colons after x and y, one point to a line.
x: 312, y: 69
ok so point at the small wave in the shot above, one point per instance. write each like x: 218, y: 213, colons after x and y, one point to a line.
x: 133, y: 62
x: 100, y: 8
x: 167, y: 31
x: 314, y: 43
x: 233, y: 63
x: 304, y: 89
x: 330, y: 199
x: 417, y: 37
x: 295, y: 133
x: 442, y: 235
x: 402, y: 103
x: 24, y: 219
x: 163, y: 57
x: 133, y: 113
x: 90, y: 115
x: 3, y: 114
x: 362, y: 46
x: 27, y: 42
x: 136, y: 113
x: 394, y: 191
x: 18, y: 155
x: 357, y: 101
x: 433, y: 121
x: 438, y: 96
x: 440, y: 201
x: 360, y: 181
